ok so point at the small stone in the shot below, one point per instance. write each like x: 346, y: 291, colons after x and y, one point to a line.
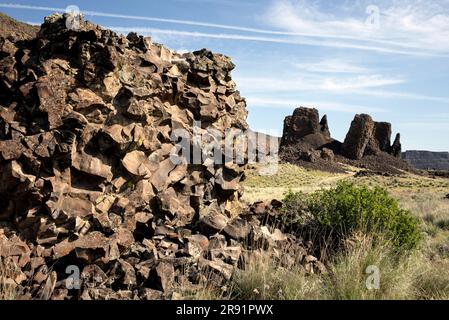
x: 238, y: 229
x: 165, y: 275
x: 196, y: 245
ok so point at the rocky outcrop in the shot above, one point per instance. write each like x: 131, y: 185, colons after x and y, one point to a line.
x: 427, y: 160
x: 89, y: 121
x: 307, y: 140
x: 304, y: 136
x: 382, y: 136
x: 359, y: 137
x: 396, y: 148
x: 305, y: 126
x: 367, y: 137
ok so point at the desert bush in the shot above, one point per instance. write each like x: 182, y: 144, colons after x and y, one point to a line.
x: 333, y: 215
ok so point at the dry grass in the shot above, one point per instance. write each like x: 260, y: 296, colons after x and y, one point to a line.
x: 288, y: 178
x: 293, y: 178
x: 422, y: 275
x: 264, y: 279
x: 410, y: 277
x: 349, y: 272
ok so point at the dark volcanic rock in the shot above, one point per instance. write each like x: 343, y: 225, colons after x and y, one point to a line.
x: 305, y: 126
x: 358, y: 137
x: 308, y: 143
x: 303, y: 122
x: 396, y: 148
x: 367, y: 137
x: 304, y: 134
x: 382, y: 135
x: 325, y: 127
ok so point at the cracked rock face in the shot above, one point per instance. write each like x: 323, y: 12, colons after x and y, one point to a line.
x: 86, y: 124
x: 92, y: 112
x: 305, y: 126
x: 367, y: 137
x: 88, y: 183
x: 359, y: 136
x: 87, y: 179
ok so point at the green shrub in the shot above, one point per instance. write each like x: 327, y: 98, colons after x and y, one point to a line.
x: 335, y: 214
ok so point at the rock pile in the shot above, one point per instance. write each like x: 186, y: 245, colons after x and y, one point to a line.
x: 88, y: 182
x: 307, y: 140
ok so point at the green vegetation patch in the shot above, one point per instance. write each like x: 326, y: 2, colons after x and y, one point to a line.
x: 337, y: 213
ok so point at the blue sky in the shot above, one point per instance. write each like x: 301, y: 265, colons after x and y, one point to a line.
x: 388, y: 58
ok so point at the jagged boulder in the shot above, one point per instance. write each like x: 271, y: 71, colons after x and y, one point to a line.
x: 367, y: 137
x: 382, y: 135
x: 359, y: 136
x: 305, y: 126
x: 396, y: 148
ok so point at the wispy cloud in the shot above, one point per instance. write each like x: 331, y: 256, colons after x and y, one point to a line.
x: 301, y: 83
x: 412, y: 23
x: 311, y: 36
x: 401, y: 95
x: 288, y: 40
x: 326, y: 106
x: 330, y: 66
x: 367, y: 86
x: 359, y: 82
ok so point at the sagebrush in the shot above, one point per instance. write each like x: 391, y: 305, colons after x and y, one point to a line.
x: 333, y: 215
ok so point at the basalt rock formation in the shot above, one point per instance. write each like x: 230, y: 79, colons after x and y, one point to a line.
x: 367, y: 137
x: 88, y: 123
x: 87, y: 117
x: 304, y: 126
x: 306, y: 140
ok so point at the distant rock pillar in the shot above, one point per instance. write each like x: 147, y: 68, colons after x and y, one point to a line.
x: 396, y: 148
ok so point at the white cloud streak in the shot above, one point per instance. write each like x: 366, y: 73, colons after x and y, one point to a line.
x: 412, y: 23
x: 326, y: 106
x: 391, y: 47
x: 292, y: 41
x: 401, y: 95
x: 363, y: 85
x: 330, y: 66
x: 300, y: 83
